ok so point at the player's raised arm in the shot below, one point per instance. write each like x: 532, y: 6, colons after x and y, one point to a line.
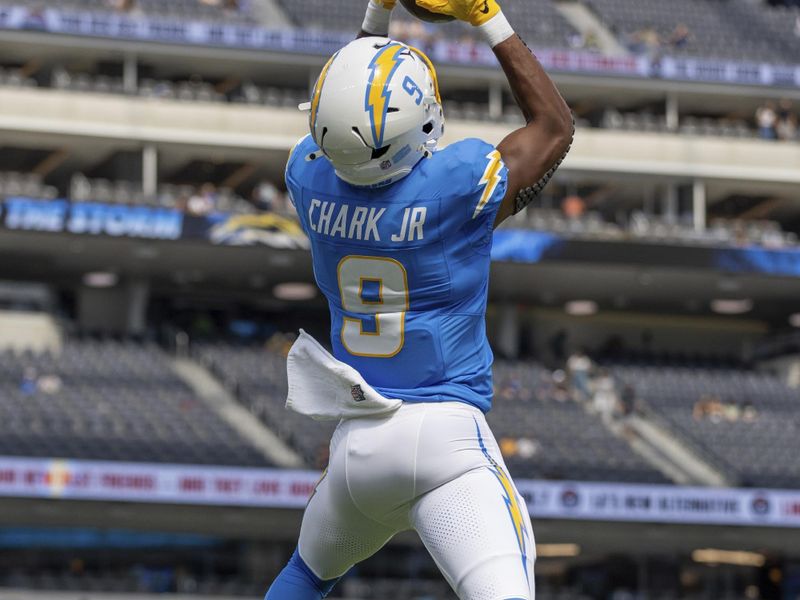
x: 377, y: 18
x: 534, y: 152
x: 531, y: 153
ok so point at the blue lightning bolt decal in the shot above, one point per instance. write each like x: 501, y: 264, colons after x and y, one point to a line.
x: 510, y: 498
x: 376, y: 102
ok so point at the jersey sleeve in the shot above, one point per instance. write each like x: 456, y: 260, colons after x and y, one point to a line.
x: 479, y: 191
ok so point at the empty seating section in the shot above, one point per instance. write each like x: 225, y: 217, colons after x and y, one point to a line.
x: 717, y: 28
x: 734, y: 29
x: 571, y: 443
x: 639, y: 226
x: 228, y: 11
x: 108, y: 400
x: 258, y: 378
x: 343, y: 15
x: 477, y: 109
x: 759, y: 443
x: 536, y: 20
x: 689, y: 124
x: 744, y: 30
x: 16, y: 78
x: 13, y: 183
x: 186, y: 90
x: 780, y: 24
x: 83, y: 189
x: 138, y: 580
x: 539, y: 23
x: 131, y: 580
x: 568, y: 442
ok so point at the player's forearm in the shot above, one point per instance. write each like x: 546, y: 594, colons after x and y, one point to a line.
x: 377, y: 18
x: 534, y: 91
x: 534, y: 152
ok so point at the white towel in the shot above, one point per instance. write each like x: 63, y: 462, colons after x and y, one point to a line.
x: 327, y: 389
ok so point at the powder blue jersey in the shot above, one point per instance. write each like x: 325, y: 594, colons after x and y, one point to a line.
x: 405, y: 269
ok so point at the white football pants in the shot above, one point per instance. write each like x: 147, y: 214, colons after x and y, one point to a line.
x: 434, y: 468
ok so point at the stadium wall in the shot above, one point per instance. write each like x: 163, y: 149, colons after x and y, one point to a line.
x: 135, y: 120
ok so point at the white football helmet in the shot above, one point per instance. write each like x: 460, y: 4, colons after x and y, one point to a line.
x: 376, y: 110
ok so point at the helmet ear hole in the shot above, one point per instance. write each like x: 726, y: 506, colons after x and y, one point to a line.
x: 379, y: 152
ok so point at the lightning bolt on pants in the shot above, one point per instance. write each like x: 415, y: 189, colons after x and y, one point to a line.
x: 434, y: 468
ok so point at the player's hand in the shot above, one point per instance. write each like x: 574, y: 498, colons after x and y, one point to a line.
x: 387, y: 4
x: 475, y: 12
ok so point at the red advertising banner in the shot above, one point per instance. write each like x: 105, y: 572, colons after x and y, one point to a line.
x: 278, y: 488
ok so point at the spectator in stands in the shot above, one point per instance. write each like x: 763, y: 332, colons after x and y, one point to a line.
x: 786, y: 123
x: 766, y: 119
x: 716, y: 410
x: 749, y: 413
x: 527, y: 448
x: 605, y: 401
x: 732, y: 412
x: 510, y: 388
x: 80, y: 188
x: 280, y: 343
x: 28, y: 384
x: 711, y: 407
x: 227, y: 4
x: 521, y: 447
x: 560, y: 387
x: 773, y: 236
x: 700, y: 408
x: 508, y: 447
x: 120, y: 5
x: 680, y: 37
x: 645, y: 41
x: 579, y: 367
x: 628, y: 400
x: 588, y: 40
x: 591, y: 41
x: 265, y: 196
x: 203, y: 201
x: 573, y: 207
x: 162, y: 89
x: 49, y: 384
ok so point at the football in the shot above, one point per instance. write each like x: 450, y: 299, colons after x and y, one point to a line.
x: 424, y: 14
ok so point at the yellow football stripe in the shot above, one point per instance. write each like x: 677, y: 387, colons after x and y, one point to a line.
x: 431, y: 68
x: 514, y: 508
x: 315, y: 98
x: 511, y: 500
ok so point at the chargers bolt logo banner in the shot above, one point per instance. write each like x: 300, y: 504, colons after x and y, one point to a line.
x: 383, y: 67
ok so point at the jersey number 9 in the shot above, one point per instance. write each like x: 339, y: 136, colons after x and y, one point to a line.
x: 377, y: 288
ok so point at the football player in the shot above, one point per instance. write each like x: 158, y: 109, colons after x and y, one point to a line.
x: 401, y: 233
